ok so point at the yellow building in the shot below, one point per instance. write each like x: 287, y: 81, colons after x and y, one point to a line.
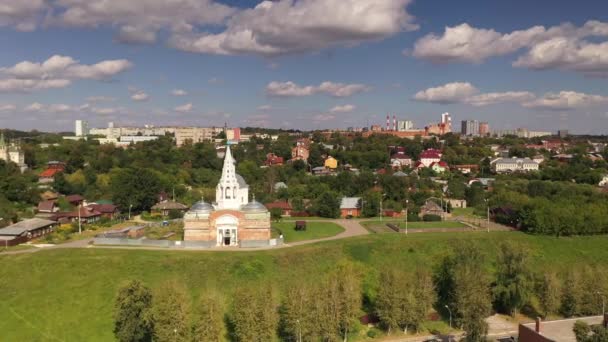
x: 331, y: 163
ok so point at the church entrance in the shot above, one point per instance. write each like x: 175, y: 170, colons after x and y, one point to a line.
x: 227, y: 231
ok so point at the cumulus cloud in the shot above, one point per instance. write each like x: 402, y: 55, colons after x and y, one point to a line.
x: 56, y: 72
x: 343, y: 109
x: 287, y: 89
x: 495, y: 98
x: 289, y: 26
x: 564, y: 47
x: 140, y: 96
x: 449, y: 93
x: 566, y: 100
x: 179, y: 92
x: 22, y: 15
x: 185, y: 108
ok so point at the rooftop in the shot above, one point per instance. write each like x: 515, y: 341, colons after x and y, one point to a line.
x: 350, y: 202
x: 25, y: 226
x: 561, y: 330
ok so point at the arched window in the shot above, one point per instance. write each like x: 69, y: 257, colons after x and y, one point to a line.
x: 234, y: 193
x: 227, y: 193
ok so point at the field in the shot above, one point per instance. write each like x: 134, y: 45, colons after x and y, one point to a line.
x: 378, y: 226
x: 67, y: 294
x: 314, y: 230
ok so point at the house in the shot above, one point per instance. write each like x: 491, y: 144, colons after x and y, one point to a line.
x: 25, y: 230
x: 430, y: 156
x: 85, y: 214
x: 106, y: 210
x: 400, y: 160
x: 466, y: 168
x: 163, y: 208
x: 507, y: 165
x: 604, y: 181
x: 350, y: 207
x: 285, y: 207
x: 300, y: 152
x: 279, y: 185
x: 439, y: 167
x: 74, y: 199
x: 457, y: 203
x: 320, y: 171
x: 49, y: 196
x: 539, y: 158
x: 52, y: 168
x: 47, y: 207
x: 273, y: 160
x: 399, y: 174
x: 331, y: 163
x: 431, y: 208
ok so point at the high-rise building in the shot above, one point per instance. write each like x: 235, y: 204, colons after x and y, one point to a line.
x: 81, y: 128
x: 469, y: 127
x: 484, y: 129
x: 562, y: 133
x: 405, y: 125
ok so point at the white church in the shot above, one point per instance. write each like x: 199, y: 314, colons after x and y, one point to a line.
x: 234, y: 219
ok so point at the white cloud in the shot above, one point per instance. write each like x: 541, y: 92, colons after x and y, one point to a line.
x: 323, y: 117
x: 22, y: 15
x: 34, y: 107
x: 100, y: 99
x: 7, y: 107
x: 343, y: 109
x: 449, y: 93
x: 179, y: 92
x: 186, y: 108
x: 559, y: 47
x: 286, y: 89
x: 565, y: 100
x: 215, y: 80
x: 289, y: 26
x: 265, y: 107
x: 136, y: 35
x: 140, y: 96
x: 494, y: 98
x: 56, y: 72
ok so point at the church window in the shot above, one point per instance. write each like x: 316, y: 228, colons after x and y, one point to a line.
x: 228, y: 193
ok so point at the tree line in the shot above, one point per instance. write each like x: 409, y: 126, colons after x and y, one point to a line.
x: 460, y: 288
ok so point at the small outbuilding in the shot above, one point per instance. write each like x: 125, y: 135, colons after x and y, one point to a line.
x: 300, y: 225
x: 25, y: 230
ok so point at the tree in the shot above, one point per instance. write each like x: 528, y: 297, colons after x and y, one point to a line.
x: 585, y: 333
x: 462, y: 284
x: 136, y: 187
x: 210, y: 319
x: 328, y: 205
x: 131, y: 313
x: 370, y: 203
x: 514, y: 283
x: 254, y: 315
x: 571, y: 295
x: 549, y: 294
x: 276, y: 214
x: 171, y: 312
x: 298, y: 314
x: 423, y: 297
x: 390, y: 300
x: 344, y: 287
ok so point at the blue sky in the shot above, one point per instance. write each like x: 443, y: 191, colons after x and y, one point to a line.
x: 304, y: 63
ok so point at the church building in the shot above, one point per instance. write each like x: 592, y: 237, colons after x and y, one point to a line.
x: 12, y: 153
x: 234, y: 219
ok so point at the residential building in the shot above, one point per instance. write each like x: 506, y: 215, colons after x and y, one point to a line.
x: 52, y: 168
x: 562, y: 133
x: 196, y: 134
x: 25, y: 230
x: 400, y: 160
x: 484, y: 129
x: 233, y: 220
x: 431, y: 208
x: 300, y: 152
x: 81, y: 128
x: 284, y: 206
x: 521, y: 133
x: 466, y: 168
x: 331, y: 163
x: 469, y: 128
x: 506, y: 165
x: 350, y: 207
x: 405, y: 125
x: 430, y: 156
x: 12, y: 153
x: 457, y: 203
x: 163, y: 208
x: 47, y: 207
x: 75, y: 199
x: 106, y: 210
x: 439, y: 167
x: 273, y: 160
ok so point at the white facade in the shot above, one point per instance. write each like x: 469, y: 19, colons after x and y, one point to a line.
x: 503, y: 165
x: 232, y: 192
x: 405, y: 125
x: 12, y: 153
x: 195, y: 134
x: 81, y: 128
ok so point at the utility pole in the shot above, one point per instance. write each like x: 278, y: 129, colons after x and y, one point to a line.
x: 407, y: 201
x: 488, y: 207
x: 79, y: 218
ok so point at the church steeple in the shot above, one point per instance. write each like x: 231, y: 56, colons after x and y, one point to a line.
x: 232, y: 191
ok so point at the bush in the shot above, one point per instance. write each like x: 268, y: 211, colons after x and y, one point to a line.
x: 431, y: 218
x: 175, y: 214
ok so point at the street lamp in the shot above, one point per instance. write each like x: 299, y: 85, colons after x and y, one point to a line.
x: 79, y: 218
x: 381, y: 199
x: 450, y: 311
x: 407, y: 201
x: 488, y: 207
x: 603, y: 302
x: 130, y: 206
x: 299, y: 331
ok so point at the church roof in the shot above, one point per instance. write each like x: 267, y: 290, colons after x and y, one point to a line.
x: 201, y: 207
x: 241, y: 181
x: 254, y: 206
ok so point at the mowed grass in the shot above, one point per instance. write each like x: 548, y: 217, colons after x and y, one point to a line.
x: 416, y: 224
x: 314, y: 230
x: 67, y: 294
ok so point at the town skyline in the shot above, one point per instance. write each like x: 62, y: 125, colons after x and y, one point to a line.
x: 119, y: 63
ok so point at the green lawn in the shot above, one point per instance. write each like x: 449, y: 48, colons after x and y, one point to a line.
x: 314, y: 230
x: 67, y: 294
x: 466, y: 212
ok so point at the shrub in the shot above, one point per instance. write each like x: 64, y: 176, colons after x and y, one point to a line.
x: 431, y: 218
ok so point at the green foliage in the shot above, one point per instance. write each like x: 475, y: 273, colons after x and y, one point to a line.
x: 276, y: 214
x: 136, y: 187
x: 254, y: 314
x: 209, y: 325
x: 170, y: 312
x: 370, y: 203
x: 549, y: 293
x: 585, y: 333
x: 131, y: 313
x: 431, y: 218
x: 327, y: 205
x: 514, y: 283
x: 175, y: 214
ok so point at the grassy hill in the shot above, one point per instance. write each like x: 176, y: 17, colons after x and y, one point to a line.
x: 67, y: 295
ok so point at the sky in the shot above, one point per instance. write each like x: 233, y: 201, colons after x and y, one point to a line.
x: 304, y: 64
